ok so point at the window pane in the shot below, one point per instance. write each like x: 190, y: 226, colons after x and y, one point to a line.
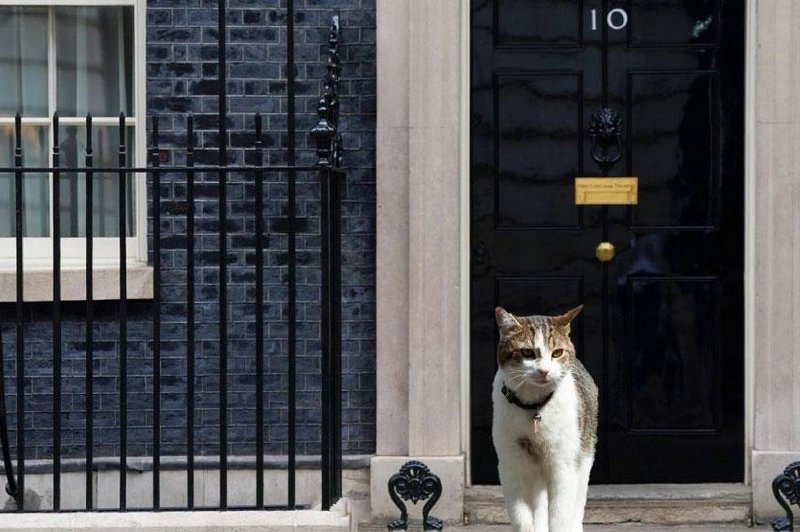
x: 94, y: 60
x: 35, y: 194
x: 23, y: 61
x: 105, y: 195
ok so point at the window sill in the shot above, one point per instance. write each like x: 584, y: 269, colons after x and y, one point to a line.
x: 38, y: 281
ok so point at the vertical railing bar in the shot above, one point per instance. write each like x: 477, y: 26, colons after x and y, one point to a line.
x: 20, y: 318
x: 291, y: 256
x: 190, y: 350
x: 259, y: 308
x: 11, y: 485
x: 334, y: 72
x: 325, y: 333
x: 56, y: 184
x: 156, y: 194
x: 327, y: 138
x: 123, y: 324
x: 336, y: 331
x: 223, y: 259
x: 89, y: 399
x: 331, y: 339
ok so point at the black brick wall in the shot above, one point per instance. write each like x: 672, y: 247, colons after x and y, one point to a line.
x: 181, y: 71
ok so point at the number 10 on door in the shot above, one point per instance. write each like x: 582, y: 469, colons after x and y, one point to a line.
x: 616, y: 19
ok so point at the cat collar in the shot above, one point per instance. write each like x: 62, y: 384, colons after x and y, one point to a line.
x: 514, y: 400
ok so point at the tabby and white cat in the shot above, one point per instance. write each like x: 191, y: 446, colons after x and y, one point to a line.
x: 545, y: 422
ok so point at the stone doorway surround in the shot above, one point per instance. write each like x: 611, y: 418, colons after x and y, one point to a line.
x: 422, y: 245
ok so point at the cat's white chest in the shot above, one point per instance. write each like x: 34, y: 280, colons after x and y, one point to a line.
x: 556, y: 429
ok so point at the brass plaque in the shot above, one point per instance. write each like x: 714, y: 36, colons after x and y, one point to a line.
x: 606, y: 190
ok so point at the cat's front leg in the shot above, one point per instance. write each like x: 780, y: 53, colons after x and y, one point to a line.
x: 584, y: 470
x: 518, y: 488
x: 562, y: 491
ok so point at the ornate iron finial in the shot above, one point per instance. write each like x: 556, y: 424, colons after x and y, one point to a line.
x: 415, y: 482
x: 326, y: 132
x: 323, y: 133
x: 605, y: 128
x: 786, y: 488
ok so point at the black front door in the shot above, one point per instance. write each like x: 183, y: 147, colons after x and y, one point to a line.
x: 662, y: 330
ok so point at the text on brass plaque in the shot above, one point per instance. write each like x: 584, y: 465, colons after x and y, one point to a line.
x: 606, y: 190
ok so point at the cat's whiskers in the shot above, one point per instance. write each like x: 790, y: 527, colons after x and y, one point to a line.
x: 516, y: 374
x: 517, y: 382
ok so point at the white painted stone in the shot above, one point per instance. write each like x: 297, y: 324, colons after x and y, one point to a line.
x: 307, y: 520
x: 392, y: 226
x: 776, y: 249
x: 38, y: 281
x: 434, y: 176
x: 766, y: 466
x: 449, y: 469
x: 419, y: 375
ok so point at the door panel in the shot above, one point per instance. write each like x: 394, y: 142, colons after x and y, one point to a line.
x: 673, y: 23
x: 662, y: 327
x: 672, y: 364
x: 672, y: 147
x: 547, y: 23
x: 538, y: 114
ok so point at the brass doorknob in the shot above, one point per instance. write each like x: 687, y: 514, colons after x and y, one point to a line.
x: 605, y: 251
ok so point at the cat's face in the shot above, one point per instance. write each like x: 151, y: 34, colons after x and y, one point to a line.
x: 534, y: 350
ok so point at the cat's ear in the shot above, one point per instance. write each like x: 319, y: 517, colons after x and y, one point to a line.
x: 504, y: 318
x: 565, y: 319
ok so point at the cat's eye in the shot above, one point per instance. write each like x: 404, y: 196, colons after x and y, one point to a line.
x: 528, y: 353
x: 557, y: 353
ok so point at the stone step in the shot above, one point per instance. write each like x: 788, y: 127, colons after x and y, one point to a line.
x: 660, y: 504
x: 416, y: 526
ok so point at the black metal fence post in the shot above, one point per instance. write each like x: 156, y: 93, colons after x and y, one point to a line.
x: 190, y: 320
x: 327, y: 138
x: 20, y: 318
x: 89, y: 360
x: 331, y: 337
x: 223, y: 256
x: 123, y: 320
x: 56, y: 194
x: 291, y: 256
x: 259, y: 310
x: 156, y: 196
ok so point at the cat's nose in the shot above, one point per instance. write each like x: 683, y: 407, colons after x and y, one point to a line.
x: 544, y: 371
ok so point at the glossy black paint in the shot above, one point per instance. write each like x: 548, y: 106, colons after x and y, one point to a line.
x: 662, y: 330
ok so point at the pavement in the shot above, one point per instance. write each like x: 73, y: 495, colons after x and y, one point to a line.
x: 631, y: 528
x: 628, y: 527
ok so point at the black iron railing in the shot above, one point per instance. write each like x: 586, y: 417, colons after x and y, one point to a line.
x: 330, y: 175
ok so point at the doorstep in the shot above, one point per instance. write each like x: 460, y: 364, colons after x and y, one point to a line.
x: 660, y: 504
x: 198, y: 521
x: 628, y: 527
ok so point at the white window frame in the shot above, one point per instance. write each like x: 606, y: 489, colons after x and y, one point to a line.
x: 37, y: 251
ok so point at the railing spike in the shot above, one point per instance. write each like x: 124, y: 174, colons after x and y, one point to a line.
x: 325, y: 132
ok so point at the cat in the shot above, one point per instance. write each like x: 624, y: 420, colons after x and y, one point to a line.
x: 544, y: 425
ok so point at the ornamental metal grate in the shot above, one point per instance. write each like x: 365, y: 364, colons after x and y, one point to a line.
x: 326, y: 174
